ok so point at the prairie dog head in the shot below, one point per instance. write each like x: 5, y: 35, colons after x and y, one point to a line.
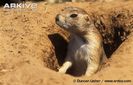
x: 74, y: 20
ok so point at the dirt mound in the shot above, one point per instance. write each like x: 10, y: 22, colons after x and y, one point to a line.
x: 31, y: 44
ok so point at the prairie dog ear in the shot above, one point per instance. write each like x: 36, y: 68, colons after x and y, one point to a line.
x: 88, y: 19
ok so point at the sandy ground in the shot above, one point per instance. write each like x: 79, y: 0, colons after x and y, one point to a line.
x: 31, y: 43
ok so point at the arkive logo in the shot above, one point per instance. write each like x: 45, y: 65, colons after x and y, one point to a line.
x: 20, y: 5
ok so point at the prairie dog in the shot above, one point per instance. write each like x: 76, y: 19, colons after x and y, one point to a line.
x: 85, y: 50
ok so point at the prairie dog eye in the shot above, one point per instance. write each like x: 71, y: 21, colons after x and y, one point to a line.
x: 73, y: 15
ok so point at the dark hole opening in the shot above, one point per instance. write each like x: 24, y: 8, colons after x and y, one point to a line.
x: 60, y: 45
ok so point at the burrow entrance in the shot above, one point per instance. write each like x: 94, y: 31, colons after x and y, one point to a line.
x: 61, y: 44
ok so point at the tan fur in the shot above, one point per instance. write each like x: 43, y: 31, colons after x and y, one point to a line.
x: 85, y: 50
